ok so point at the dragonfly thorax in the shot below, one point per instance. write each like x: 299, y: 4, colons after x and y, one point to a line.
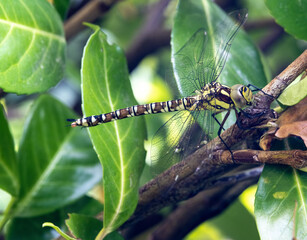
x: 215, y: 97
x: 241, y: 96
x: 218, y: 97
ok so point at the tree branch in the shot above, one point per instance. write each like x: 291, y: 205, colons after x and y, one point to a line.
x: 195, y: 210
x: 279, y: 83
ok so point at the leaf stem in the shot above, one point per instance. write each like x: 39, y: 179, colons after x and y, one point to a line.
x: 101, y: 234
x: 8, y: 213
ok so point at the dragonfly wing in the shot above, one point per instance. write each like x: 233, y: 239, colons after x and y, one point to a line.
x: 224, y: 32
x: 179, y: 137
x: 188, y: 60
x: 202, y: 59
x: 198, y: 134
x: 165, y: 150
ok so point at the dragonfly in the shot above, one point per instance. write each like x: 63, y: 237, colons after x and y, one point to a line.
x: 200, y: 63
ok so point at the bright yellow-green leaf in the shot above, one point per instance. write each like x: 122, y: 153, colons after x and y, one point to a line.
x: 118, y: 144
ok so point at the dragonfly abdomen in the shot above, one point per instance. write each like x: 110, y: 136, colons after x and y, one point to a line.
x: 136, y: 110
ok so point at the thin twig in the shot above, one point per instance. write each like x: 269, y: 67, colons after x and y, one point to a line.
x: 89, y: 13
x: 293, y: 158
x: 267, y: 23
x: 274, y: 34
x: 271, y: 39
x: 150, y: 37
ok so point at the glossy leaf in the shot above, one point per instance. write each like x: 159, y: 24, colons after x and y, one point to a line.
x: 233, y: 223
x: 291, y: 15
x: 280, y: 203
x: 8, y: 161
x: 62, y: 7
x: 32, y: 46
x: 31, y: 228
x: 236, y: 223
x: 83, y: 227
x: 119, y: 144
x: 294, y: 93
x: 85, y: 205
x: 114, y: 236
x: 243, y: 65
x: 53, y: 159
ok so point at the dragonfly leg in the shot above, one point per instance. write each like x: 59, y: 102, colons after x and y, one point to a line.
x: 258, y: 89
x: 220, y: 124
x: 222, y: 128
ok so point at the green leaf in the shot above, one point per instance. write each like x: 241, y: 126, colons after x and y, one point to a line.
x: 85, y: 205
x: 57, y: 164
x: 31, y: 228
x: 83, y: 227
x: 280, y: 188
x: 236, y: 223
x: 119, y: 144
x: 291, y: 15
x: 294, y: 93
x: 233, y: 223
x: 114, y: 236
x: 32, y: 46
x: 62, y: 7
x: 8, y: 161
x: 243, y: 65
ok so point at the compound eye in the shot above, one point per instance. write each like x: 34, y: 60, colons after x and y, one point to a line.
x: 243, y: 89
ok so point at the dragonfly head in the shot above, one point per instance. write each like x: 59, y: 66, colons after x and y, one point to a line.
x: 241, y: 95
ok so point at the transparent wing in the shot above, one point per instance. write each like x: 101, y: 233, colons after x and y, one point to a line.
x: 225, y: 31
x: 189, y: 60
x: 180, y: 136
x: 202, y: 59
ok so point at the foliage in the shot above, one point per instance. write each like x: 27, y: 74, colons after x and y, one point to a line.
x: 289, y: 16
x: 120, y: 148
x: 51, y: 171
x: 281, y: 201
x: 32, y: 45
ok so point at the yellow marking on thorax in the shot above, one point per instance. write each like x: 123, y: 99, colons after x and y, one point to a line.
x: 213, y: 103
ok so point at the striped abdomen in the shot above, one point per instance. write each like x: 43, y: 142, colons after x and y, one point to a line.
x: 136, y: 110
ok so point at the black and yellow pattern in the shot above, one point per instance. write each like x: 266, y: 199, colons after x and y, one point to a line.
x: 214, y: 97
